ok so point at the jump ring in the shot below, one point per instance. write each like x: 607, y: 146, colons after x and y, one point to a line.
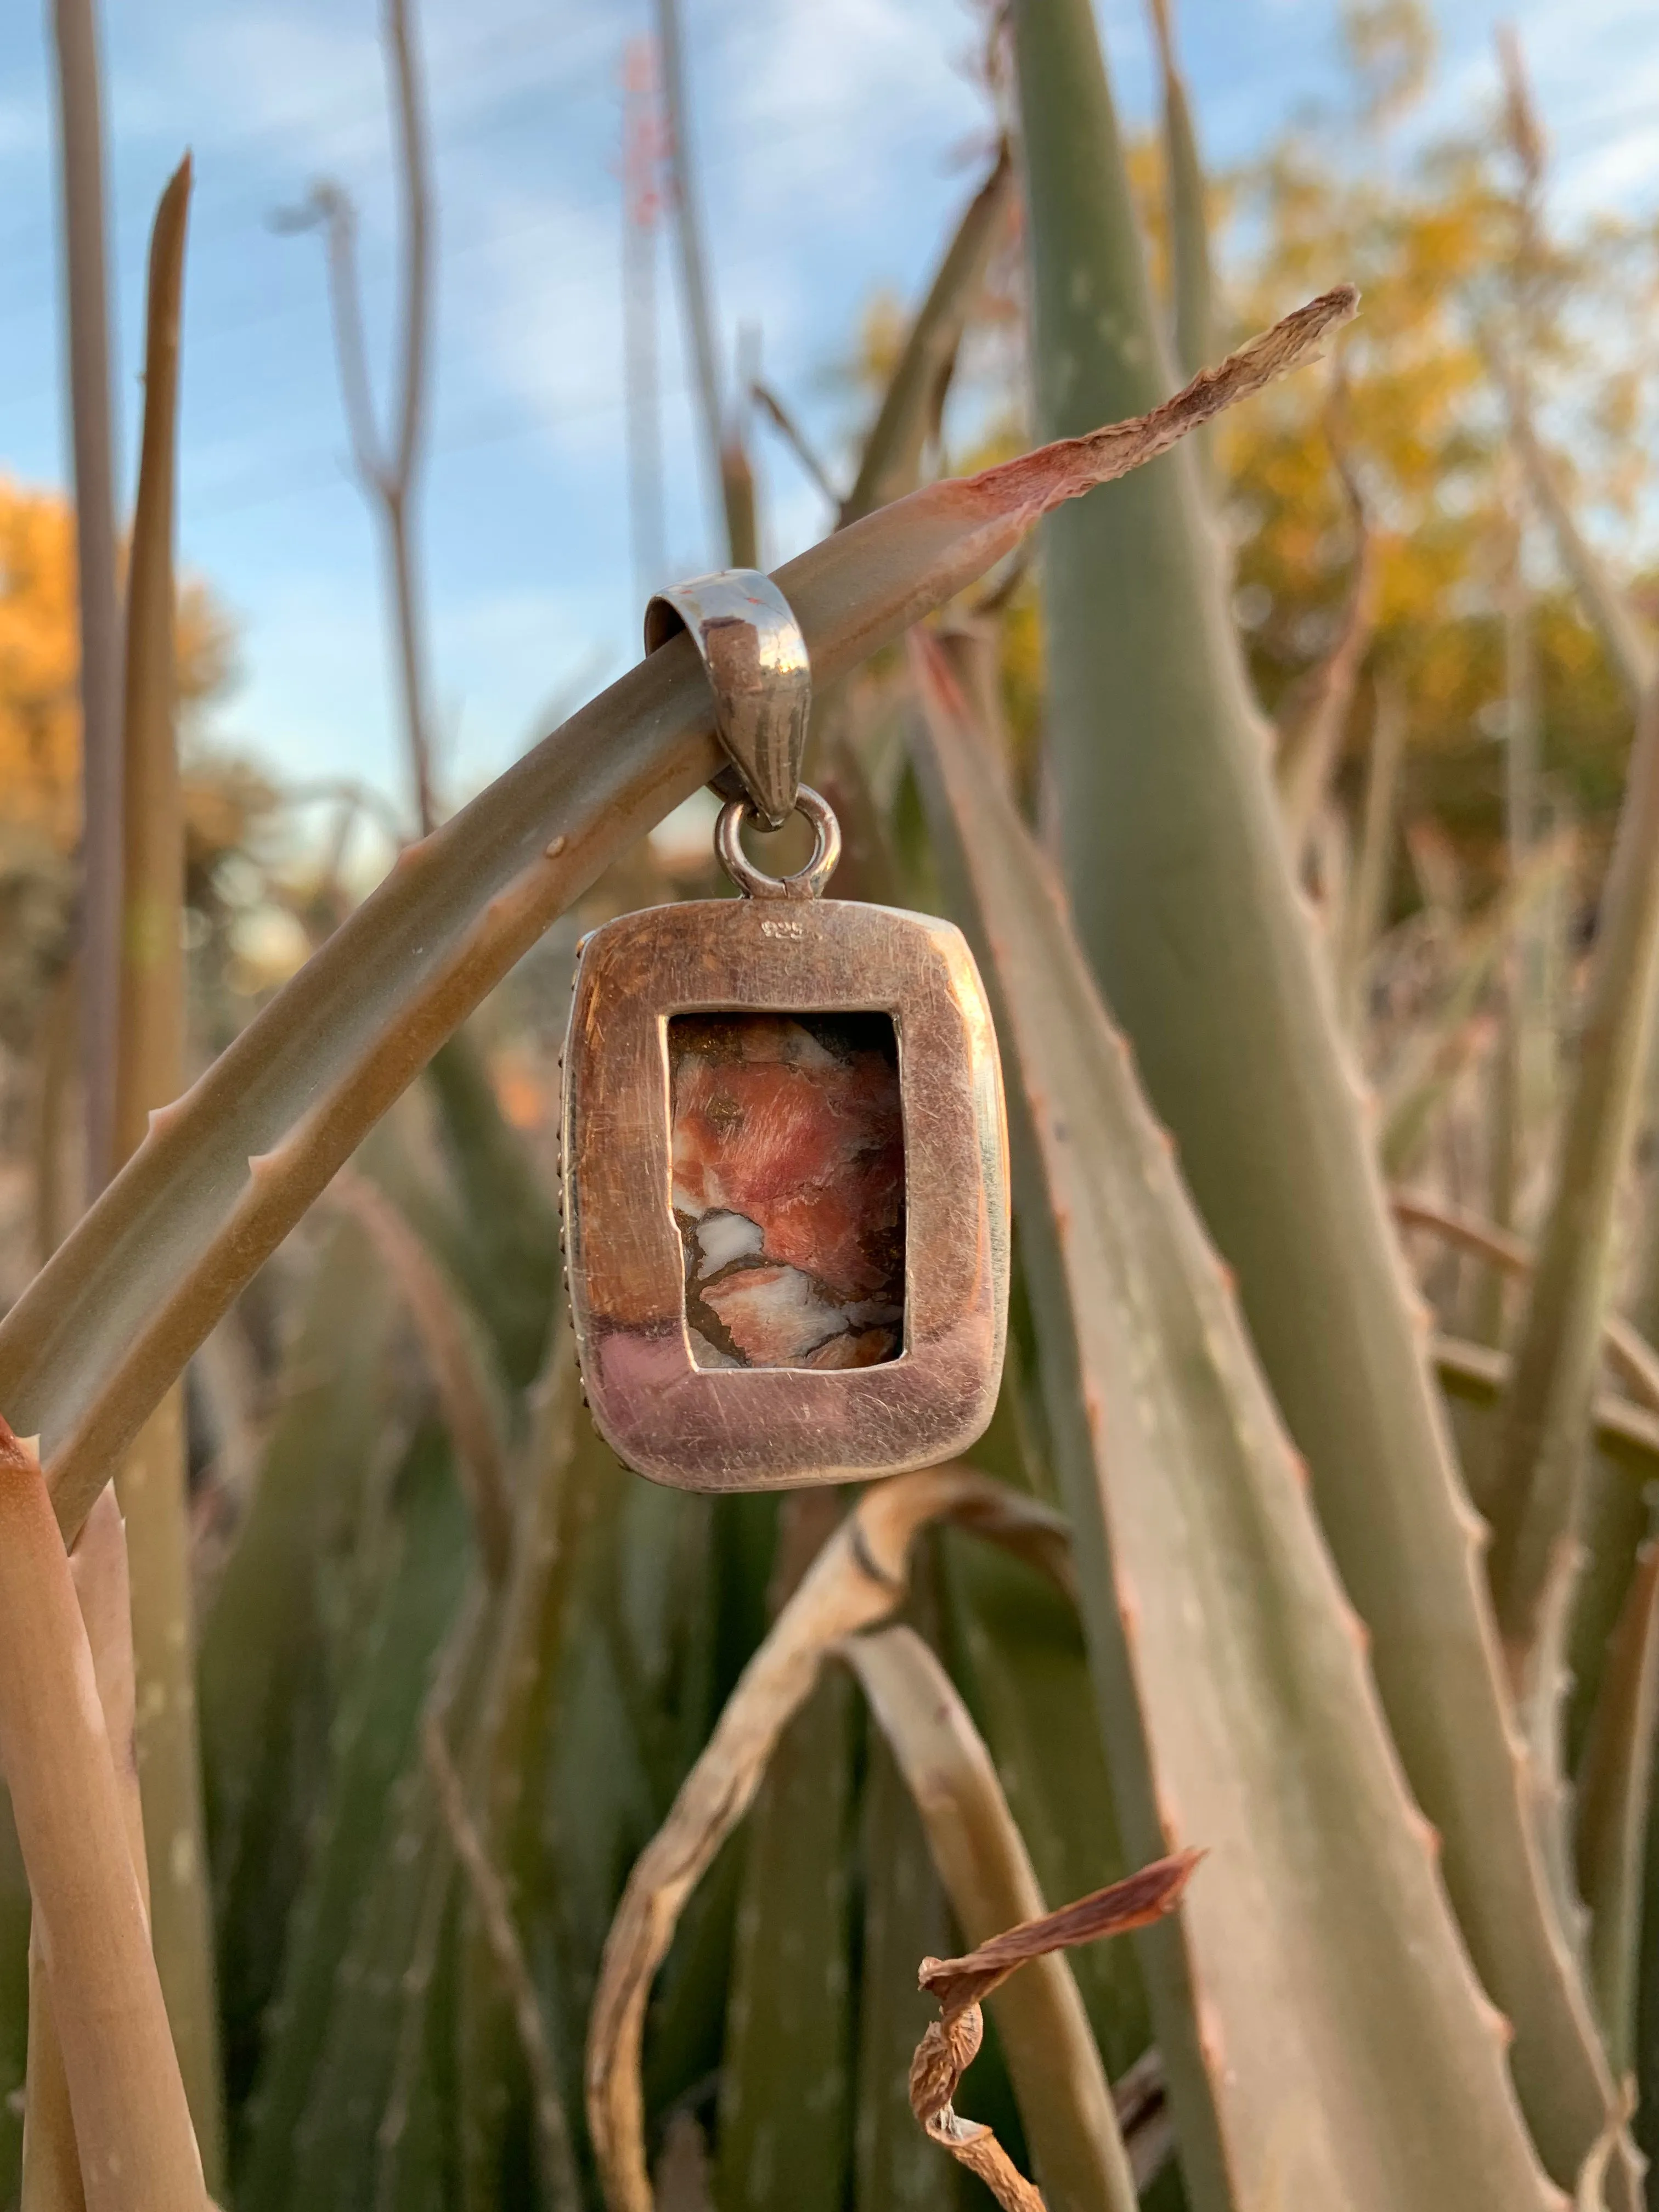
x: 807, y: 882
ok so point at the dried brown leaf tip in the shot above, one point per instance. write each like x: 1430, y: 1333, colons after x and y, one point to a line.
x: 951, y: 2043
x: 1045, y: 479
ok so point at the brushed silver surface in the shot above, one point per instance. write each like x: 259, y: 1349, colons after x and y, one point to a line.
x: 755, y: 657
x: 720, y: 1429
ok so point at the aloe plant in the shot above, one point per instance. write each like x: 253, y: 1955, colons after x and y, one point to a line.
x: 576, y: 1843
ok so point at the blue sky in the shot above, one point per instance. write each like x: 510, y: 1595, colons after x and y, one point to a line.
x: 831, y: 136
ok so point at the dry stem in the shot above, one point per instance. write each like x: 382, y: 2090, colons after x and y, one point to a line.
x: 131, y: 2121
x: 1628, y: 1350
x: 51, y: 2162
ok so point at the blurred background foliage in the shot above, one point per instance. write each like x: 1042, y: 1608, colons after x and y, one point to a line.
x: 384, y: 1710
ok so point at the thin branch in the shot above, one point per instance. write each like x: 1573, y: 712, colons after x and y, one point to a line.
x: 389, y: 474
x: 891, y: 460
x: 339, y: 221
x: 796, y: 438
x: 1628, y: 1350
x: 1310, y: 742
x: 413, y: 170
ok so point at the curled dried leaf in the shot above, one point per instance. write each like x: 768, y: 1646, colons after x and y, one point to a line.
x: 951, y: 2043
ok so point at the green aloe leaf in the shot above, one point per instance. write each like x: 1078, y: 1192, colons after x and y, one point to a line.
x: 1540, y: 1455
x: 1316, y: 1988
x: 374, y: 1745
x: 785, y: 2109
x: 152, y: 1479
x: 1193, y: 281
x: 498, y: 1769
x: 1025, y: 1669
x: 1186, y: 907
x: 905, y: 1919
x: 266, y: 1684
x: 507, y: 1258
x: 890, y: 463
x: 1614, y: 1790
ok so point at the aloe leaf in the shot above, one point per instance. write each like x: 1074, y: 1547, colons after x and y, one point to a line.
x: 1615, y: 1520
x: 1614, y: 1789
x: 1229, y: 1671
x: 486, y: 1892
x: 1647, y: 2009
x: 785, y: 2110
x: 374, y: 1746
x: 905, y: 1918
x: 1070, y: 2122
x: 499, y: 1770
x: 264, y: 1679
x: 1193, y: 283
x: 1186, y: 907
x: 590, y: 1796
x: 1310, y: 734
x: 785, y: 2120
x: 370, y: 2116
x: 1539, y: 1456
x: 470, y: 1393
x: 509, y: 1262
x: 890, y: 463
x: 1026, y: 1677
x: 227, y: 1170
x: 148, y: 1071
x: 1366, y: 906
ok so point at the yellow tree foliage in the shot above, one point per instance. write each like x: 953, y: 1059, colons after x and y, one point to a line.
x: 1445, y: 244
x: 40, y: 710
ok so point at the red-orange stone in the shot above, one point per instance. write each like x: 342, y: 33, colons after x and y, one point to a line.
x: 788, y: 1149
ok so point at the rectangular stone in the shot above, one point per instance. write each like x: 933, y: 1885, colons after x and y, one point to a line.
x: 788, y: 1187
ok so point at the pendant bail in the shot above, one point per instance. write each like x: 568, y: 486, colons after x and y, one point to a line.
x: 757, y: 662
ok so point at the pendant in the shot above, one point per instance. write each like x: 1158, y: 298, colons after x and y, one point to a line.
x: 783, y: 1145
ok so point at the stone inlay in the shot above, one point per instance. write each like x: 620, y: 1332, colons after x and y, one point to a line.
x: 789, y: 1188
